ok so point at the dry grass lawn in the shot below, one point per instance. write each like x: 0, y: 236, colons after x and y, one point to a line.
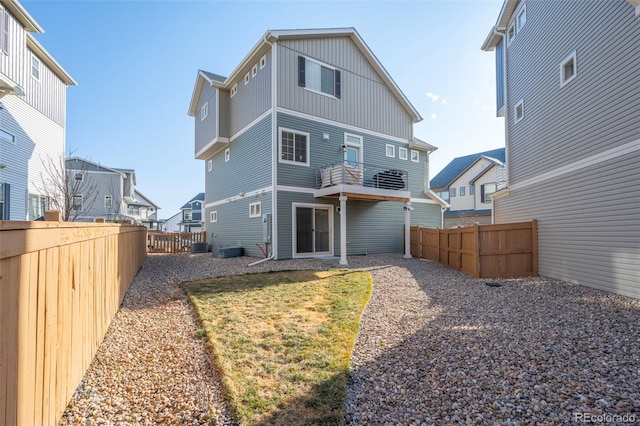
x: 282, y: 340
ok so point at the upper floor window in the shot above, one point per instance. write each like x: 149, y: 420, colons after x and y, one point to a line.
x: 518, y: 111
x: 204, y: 111
x: 79, y: 176
x: 187, y: 214
x: 486, y: 191
x: 263, y: 61
x: 511, y: 33
x: 227, y: 154
x: 462, y: 188
x: 134, y: 210
x: 234, y: 90
x: 472, y: 190
x: 108, y: 201
x: 213, y: 216
x: 452, y: 191
x: 403, y: 153
x: 210, y: 165
x: 294, y: 147
x: 318, y: 77
x: 7, y: 137
x: 77, y: 202
x: 415, y: 156
x: 444, y: 195
x: 522, y: 17
x: 568, y: 69
x: 255, y: 209
x: 246, y: 79
x: 390, y: 150
x: 4, y: 31
x: 254, y: 70
x: 35, y: 68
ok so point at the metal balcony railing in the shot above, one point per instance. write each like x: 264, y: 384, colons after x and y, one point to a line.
x: 362, y: 174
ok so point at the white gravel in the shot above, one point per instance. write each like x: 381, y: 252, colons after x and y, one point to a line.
x: 435, y: 347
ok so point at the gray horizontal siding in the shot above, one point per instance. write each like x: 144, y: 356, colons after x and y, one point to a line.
x: 249, y: 166
x: 372, y: 227
x: 322, y: 153
x: 589, y: 224
x: 599, y: 105
x: 234, y: 226
x: 205, y: 130
x: 252, y: 99
x: 365, y: 102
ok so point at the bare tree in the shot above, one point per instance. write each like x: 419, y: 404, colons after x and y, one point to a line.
x: 71, y: 192
x: 116, y: 202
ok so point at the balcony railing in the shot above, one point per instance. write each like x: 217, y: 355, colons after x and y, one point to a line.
x: 362, y: 174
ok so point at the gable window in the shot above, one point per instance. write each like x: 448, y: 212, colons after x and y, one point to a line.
x: 234, y: 90
x: 263, y: 61
x: 35, y: 68
x: 77, y: 202
x: 213, y: 216
x: 204, y: 111
x: 486, y: 190
x: 518, y: 111
x: 472, y: 190
x: 403, y: 154
x: 294, y: 147
x: 318, y: 77
x: 79, y: 176
x: 452, y: 191
x: 187, y: 215
x: 511, y: 33
x: 4, y: 31
x: 415, y: 156
x: 246, y: 79
x: 7, y: 137
x: 462, y: 188
x: 227, y: 154
x: 255, y: 209
x: 391, y: 151
x: 210, y: 165
x: 522, y: 17
x: 108, y: 201
x: 254, y: 70
x: 568, y: 69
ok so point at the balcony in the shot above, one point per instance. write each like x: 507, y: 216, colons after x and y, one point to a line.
x: 362, y: 181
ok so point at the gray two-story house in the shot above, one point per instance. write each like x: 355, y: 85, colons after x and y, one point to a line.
x: 33, y: 88
x: 568, y: 86
x: 308, y: 149
x: 192, y: 219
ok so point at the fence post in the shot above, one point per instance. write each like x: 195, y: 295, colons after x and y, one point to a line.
x: 534, y: 246
x: 52, y: 216
x: 477, y: 250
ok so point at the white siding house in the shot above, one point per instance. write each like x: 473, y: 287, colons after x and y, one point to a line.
x: 32, y: 113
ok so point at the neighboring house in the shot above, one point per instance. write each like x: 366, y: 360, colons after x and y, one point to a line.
x: 33, y: 90
x: 568, y: 85
x: 467, y: 183
x: 308, y: 146
x: 114, y: 195
x: 192, y: 220
x: 173, y: 223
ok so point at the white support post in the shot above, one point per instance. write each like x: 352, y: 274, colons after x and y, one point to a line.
x: 407, y: 230
x: 343, y: 230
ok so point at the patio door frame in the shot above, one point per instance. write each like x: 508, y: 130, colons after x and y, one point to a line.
x: 294, y: 230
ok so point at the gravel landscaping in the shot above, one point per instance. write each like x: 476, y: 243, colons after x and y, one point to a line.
x: 435, y: 347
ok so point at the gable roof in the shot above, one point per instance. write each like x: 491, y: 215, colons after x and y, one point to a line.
x: 144, y: 201
x: 421, y: 145
x: 199, y: 197
x: 71, y: 160
x: 497, y: 31
x: 271, y: 36
x: 459, y: 164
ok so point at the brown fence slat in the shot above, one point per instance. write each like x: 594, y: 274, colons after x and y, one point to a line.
x: 482, y: 251
x: 173, y: 242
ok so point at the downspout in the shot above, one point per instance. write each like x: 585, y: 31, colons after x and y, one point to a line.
x: 274, y: 150
x: 500, y: 32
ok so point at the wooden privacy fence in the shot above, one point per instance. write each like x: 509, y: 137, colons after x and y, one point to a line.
x: 482, y: 251
x: 173, y: 242
x: 61, y: 284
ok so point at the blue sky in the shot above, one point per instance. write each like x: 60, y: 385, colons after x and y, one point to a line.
x: 136, y: 62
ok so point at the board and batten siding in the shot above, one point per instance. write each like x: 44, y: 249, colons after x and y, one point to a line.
x: 587, y: 204
x: 248, y: 168
x: 372, y: 227
x: 572, y: 122
x: 48, y: 94
x: 37, y: 138
x: 325, y: 152
x: 234, y: 226
x: 251, y: 100
x: 469, y: 201
x: 206, y: 130
x: 365, y: 101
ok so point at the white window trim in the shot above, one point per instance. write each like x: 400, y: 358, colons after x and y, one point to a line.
x: 210, y: 165
x: 358, y: 145
x: 204, y: 111
x: 263, y: 61
x: 519, y: 13
x: 297, y: 163
x: 403, y: 153
x: 190, y: 213
x: 569, y: 57
x: 393, y: 150
x: 34, y: 58
x: 234, y: 90
x: 294, y: 224
x: 227, y: 155
x: 510, y: 28
x: 254, y: 71
x: 415, y: 156
x: 213, y: 216
x: 515, y: 111
x: 256, y: 208
x: 246, y: 79
x: 320, y: 92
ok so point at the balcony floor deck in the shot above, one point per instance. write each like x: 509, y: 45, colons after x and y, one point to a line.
x: 359, y: 192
